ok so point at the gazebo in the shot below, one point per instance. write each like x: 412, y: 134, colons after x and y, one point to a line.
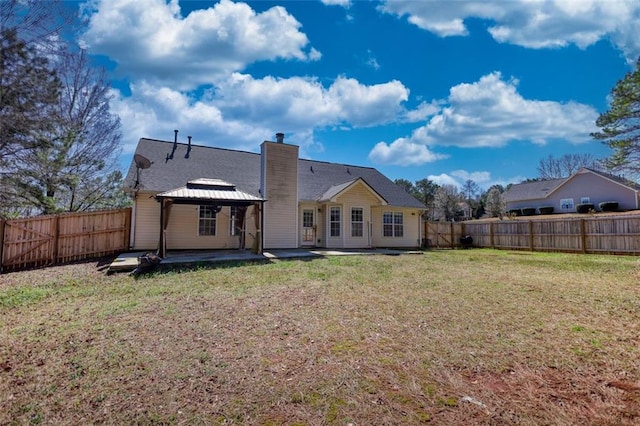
x: 210, y: 192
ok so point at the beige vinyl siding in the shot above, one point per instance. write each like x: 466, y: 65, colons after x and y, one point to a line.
x: 147, y: 222
x: 182, y: 230
x: 361, y: 197
x: 411, y: 227
x: 280, y: 188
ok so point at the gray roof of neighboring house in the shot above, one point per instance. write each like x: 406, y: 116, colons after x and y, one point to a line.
x: 540, y: 189
x: 242, y: 169
x: 532, y: 190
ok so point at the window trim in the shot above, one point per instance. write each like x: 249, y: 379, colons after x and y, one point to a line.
x: 360, y: 222
x: 396, y: 228
x: 333, y: 209
x: 211, y: 221
x: 568, y: 202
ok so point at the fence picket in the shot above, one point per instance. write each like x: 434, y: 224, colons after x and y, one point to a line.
x: 44, y: 240
x: 598, y: 234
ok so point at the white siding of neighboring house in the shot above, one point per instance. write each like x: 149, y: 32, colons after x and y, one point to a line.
x: 597, y: 188
x: 411, y: 222
x: 586, y: 184
x: 280, y: 189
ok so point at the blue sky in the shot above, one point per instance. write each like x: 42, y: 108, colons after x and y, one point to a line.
x: 445, y: 90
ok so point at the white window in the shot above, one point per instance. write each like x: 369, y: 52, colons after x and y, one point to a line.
x: 233, y: 221
x: 392, y: 224
x: 357, y: 222
x: 566, y: 204
x: 207, y: 220
x: 585, y: 200
x: 334, y: 221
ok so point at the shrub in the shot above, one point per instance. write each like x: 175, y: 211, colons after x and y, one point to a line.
x: 515, y: 212
x: 608, y: 206
x: 585, y: 207
x: 546, y: 209
x: 528, y: 211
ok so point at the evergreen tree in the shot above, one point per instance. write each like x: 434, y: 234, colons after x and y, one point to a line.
x: 620, y: 125
x: 29, y: 91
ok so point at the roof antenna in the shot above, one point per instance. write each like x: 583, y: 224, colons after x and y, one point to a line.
x: 188, y: 148
x: 175, y: 145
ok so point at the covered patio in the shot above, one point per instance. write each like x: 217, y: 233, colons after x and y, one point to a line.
x: 217, y: 194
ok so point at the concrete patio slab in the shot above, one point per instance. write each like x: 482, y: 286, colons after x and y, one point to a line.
x: 128, y: 262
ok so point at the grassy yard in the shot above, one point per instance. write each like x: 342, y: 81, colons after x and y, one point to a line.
x: 446, y: 337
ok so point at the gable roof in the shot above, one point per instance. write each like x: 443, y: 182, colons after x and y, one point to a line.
x: 336, y: 190
x: 542, y: 189
x: 242, y: 169
x: 533, y: 190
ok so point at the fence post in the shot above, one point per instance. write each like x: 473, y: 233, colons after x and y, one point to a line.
x: 127, y: 225
x: 2, y: 224
x: 491, y: 242
x: 55, y: 239
x: 531, y: 235
x: 583, y: 235
x: 453, y: 243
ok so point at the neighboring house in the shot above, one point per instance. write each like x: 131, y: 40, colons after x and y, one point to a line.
x: 198, y: 197
x: 583, y: 187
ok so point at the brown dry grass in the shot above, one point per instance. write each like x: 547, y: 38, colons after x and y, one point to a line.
x: 446, y: 337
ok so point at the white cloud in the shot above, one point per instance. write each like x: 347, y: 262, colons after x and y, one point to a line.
x: 482, y: 178
x: 243, y: 111
x: 151, y: 40
x: 422, y: 112
x: 532, y: 24
x: 489, y: 113
x: 403, y: 152
x: 343, y: 3
x: 444, y: 179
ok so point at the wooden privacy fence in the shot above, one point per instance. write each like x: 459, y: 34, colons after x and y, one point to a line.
x: 46, y: 240
x: 599, y: 234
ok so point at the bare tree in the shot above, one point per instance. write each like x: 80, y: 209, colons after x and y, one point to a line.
x: 37, y: 22
x: 495, y: 203
x: 79, y: 158
x: 425, y: 191
x: 447, y: 202
x: 565, y: 166
x: 470, y: 189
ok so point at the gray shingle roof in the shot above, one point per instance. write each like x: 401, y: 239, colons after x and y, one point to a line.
x: 532, y: 190
x: 539, y: 190
x: 242, y: 169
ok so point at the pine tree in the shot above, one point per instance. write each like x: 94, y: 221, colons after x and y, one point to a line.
x: 620, y: 125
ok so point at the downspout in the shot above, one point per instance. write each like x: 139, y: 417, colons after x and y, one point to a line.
x: 420, y: 226
x: 261, y: 248
x: 132, y: 231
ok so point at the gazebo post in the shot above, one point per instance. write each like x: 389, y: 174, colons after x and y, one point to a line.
x: 161, y: 244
